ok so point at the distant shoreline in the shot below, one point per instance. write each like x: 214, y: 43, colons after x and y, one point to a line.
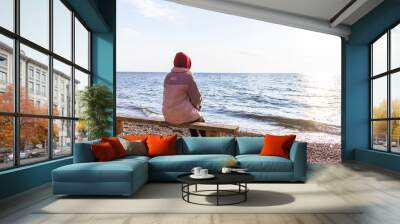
x: 228, y: 73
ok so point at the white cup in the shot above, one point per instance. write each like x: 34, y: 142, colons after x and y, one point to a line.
x: 226, y: 170
x: 203, y: 172
x: 196, y: 171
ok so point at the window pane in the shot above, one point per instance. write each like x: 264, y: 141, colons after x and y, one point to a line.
x: 395, y: 129
x: 62, y: 138
x: 6, y: 142
x: 81, y: 131
x: 81, y: 81
x: 62, y: 29
x: 7, y: 14
x: 379, y: 97
x: 395, y: 95
x: 81, y: 45
x: 62, y: 89
x: 6, y: 75
x: 379, y: 135
x: 35, y: 21
x: 395, y: 47
x: 379, y: 55
x: 34, y: 72
x: 33, y: 139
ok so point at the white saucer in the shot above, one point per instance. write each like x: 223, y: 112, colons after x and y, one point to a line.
x: 208, y: 176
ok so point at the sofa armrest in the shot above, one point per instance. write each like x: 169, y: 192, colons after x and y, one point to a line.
x: 83, y: 152
x: 298, y: 155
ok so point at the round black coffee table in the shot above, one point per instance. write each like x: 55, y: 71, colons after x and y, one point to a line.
x: 238, y: 179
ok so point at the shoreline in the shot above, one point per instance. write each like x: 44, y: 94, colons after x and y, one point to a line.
x: 320, y: 148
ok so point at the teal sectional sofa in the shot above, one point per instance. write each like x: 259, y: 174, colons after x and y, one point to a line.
x: 125, y: 176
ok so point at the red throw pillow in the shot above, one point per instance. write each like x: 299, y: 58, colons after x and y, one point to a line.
x: 116, y: 145
x: 277, y: 145
x: 103, y: 152
x: 161, y: 145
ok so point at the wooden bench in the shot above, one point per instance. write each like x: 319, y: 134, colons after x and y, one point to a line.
x: 210, y: 128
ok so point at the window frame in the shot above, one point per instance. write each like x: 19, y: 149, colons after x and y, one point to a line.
x: 388, y: 74
x: 16, y: 114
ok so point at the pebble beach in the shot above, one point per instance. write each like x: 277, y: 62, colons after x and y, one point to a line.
x: 320, y: 148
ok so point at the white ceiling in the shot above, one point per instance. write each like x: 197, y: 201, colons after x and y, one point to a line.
x: 321, y: 9
x: 315, y: 15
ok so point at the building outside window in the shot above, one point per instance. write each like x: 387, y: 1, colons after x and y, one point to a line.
x: 34, y: 75
x: 3, y: 61
x: 3, y: 71
x: 44, y: 77
x: 43, y: 90
x: 385, y: 91
x: 38, y: 89
x: 3, y: 78
x: 37, y: 74
x: 30, y: 72
x: 30, y: 87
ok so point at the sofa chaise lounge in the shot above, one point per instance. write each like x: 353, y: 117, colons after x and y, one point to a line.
x: 125, y: 176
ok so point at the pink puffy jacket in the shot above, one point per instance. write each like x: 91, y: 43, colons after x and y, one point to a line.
x: 182, y: 99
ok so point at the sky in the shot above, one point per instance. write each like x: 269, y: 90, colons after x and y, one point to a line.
x: 150, y: 32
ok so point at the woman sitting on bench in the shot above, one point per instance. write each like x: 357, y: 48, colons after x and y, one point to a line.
x: 182, y: 99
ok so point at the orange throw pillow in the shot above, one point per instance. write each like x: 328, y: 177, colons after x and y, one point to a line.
x: 161, y: 145
x: 277, y: 145
x: 116, y: 145
x: 103, y: 152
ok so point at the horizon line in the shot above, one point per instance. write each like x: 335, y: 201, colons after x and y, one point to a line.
x: 215, y: 72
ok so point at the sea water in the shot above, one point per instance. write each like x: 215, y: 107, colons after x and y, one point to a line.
x: 260, y: 103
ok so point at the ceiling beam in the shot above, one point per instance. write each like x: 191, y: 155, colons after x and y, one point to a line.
x: 346, y: 12
x: 268, y: 15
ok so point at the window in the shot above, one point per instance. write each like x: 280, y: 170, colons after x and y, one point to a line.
x: 31, y: 76
x: 62, y: 137
x: 35, y: 21
x: 62, y: 29
x: 33, y: 143
x: 6, y: 142
x: 3, y: 78
x: 81, y: 82
x: 6, y: 73
x: 3, y: 61
x: 37, y: 74
x: 43, y: 90
x: 7, y: 14
x: 385, y: 94
x: 30, y: 88
x: 61, y: 75
x: 45, y: 131
x: 81, y: 45
x: 37, y: 89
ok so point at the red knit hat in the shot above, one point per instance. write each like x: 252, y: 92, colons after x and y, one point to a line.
x: 182, y: 60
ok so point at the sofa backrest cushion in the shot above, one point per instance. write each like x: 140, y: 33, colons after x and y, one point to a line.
x: 83, y: 152
x: 206, y: 145
x: 249, y: 145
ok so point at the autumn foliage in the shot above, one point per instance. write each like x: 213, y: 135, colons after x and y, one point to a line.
x: 380, y: 127
x: 33, y: 131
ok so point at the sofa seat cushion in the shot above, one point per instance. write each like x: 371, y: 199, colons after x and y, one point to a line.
x: 185, y: 163
x: 257, y: 163
x: 133, y: 157
x: 112, y: 171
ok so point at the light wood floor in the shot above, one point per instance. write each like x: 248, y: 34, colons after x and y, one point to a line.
x: 379, y: 189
